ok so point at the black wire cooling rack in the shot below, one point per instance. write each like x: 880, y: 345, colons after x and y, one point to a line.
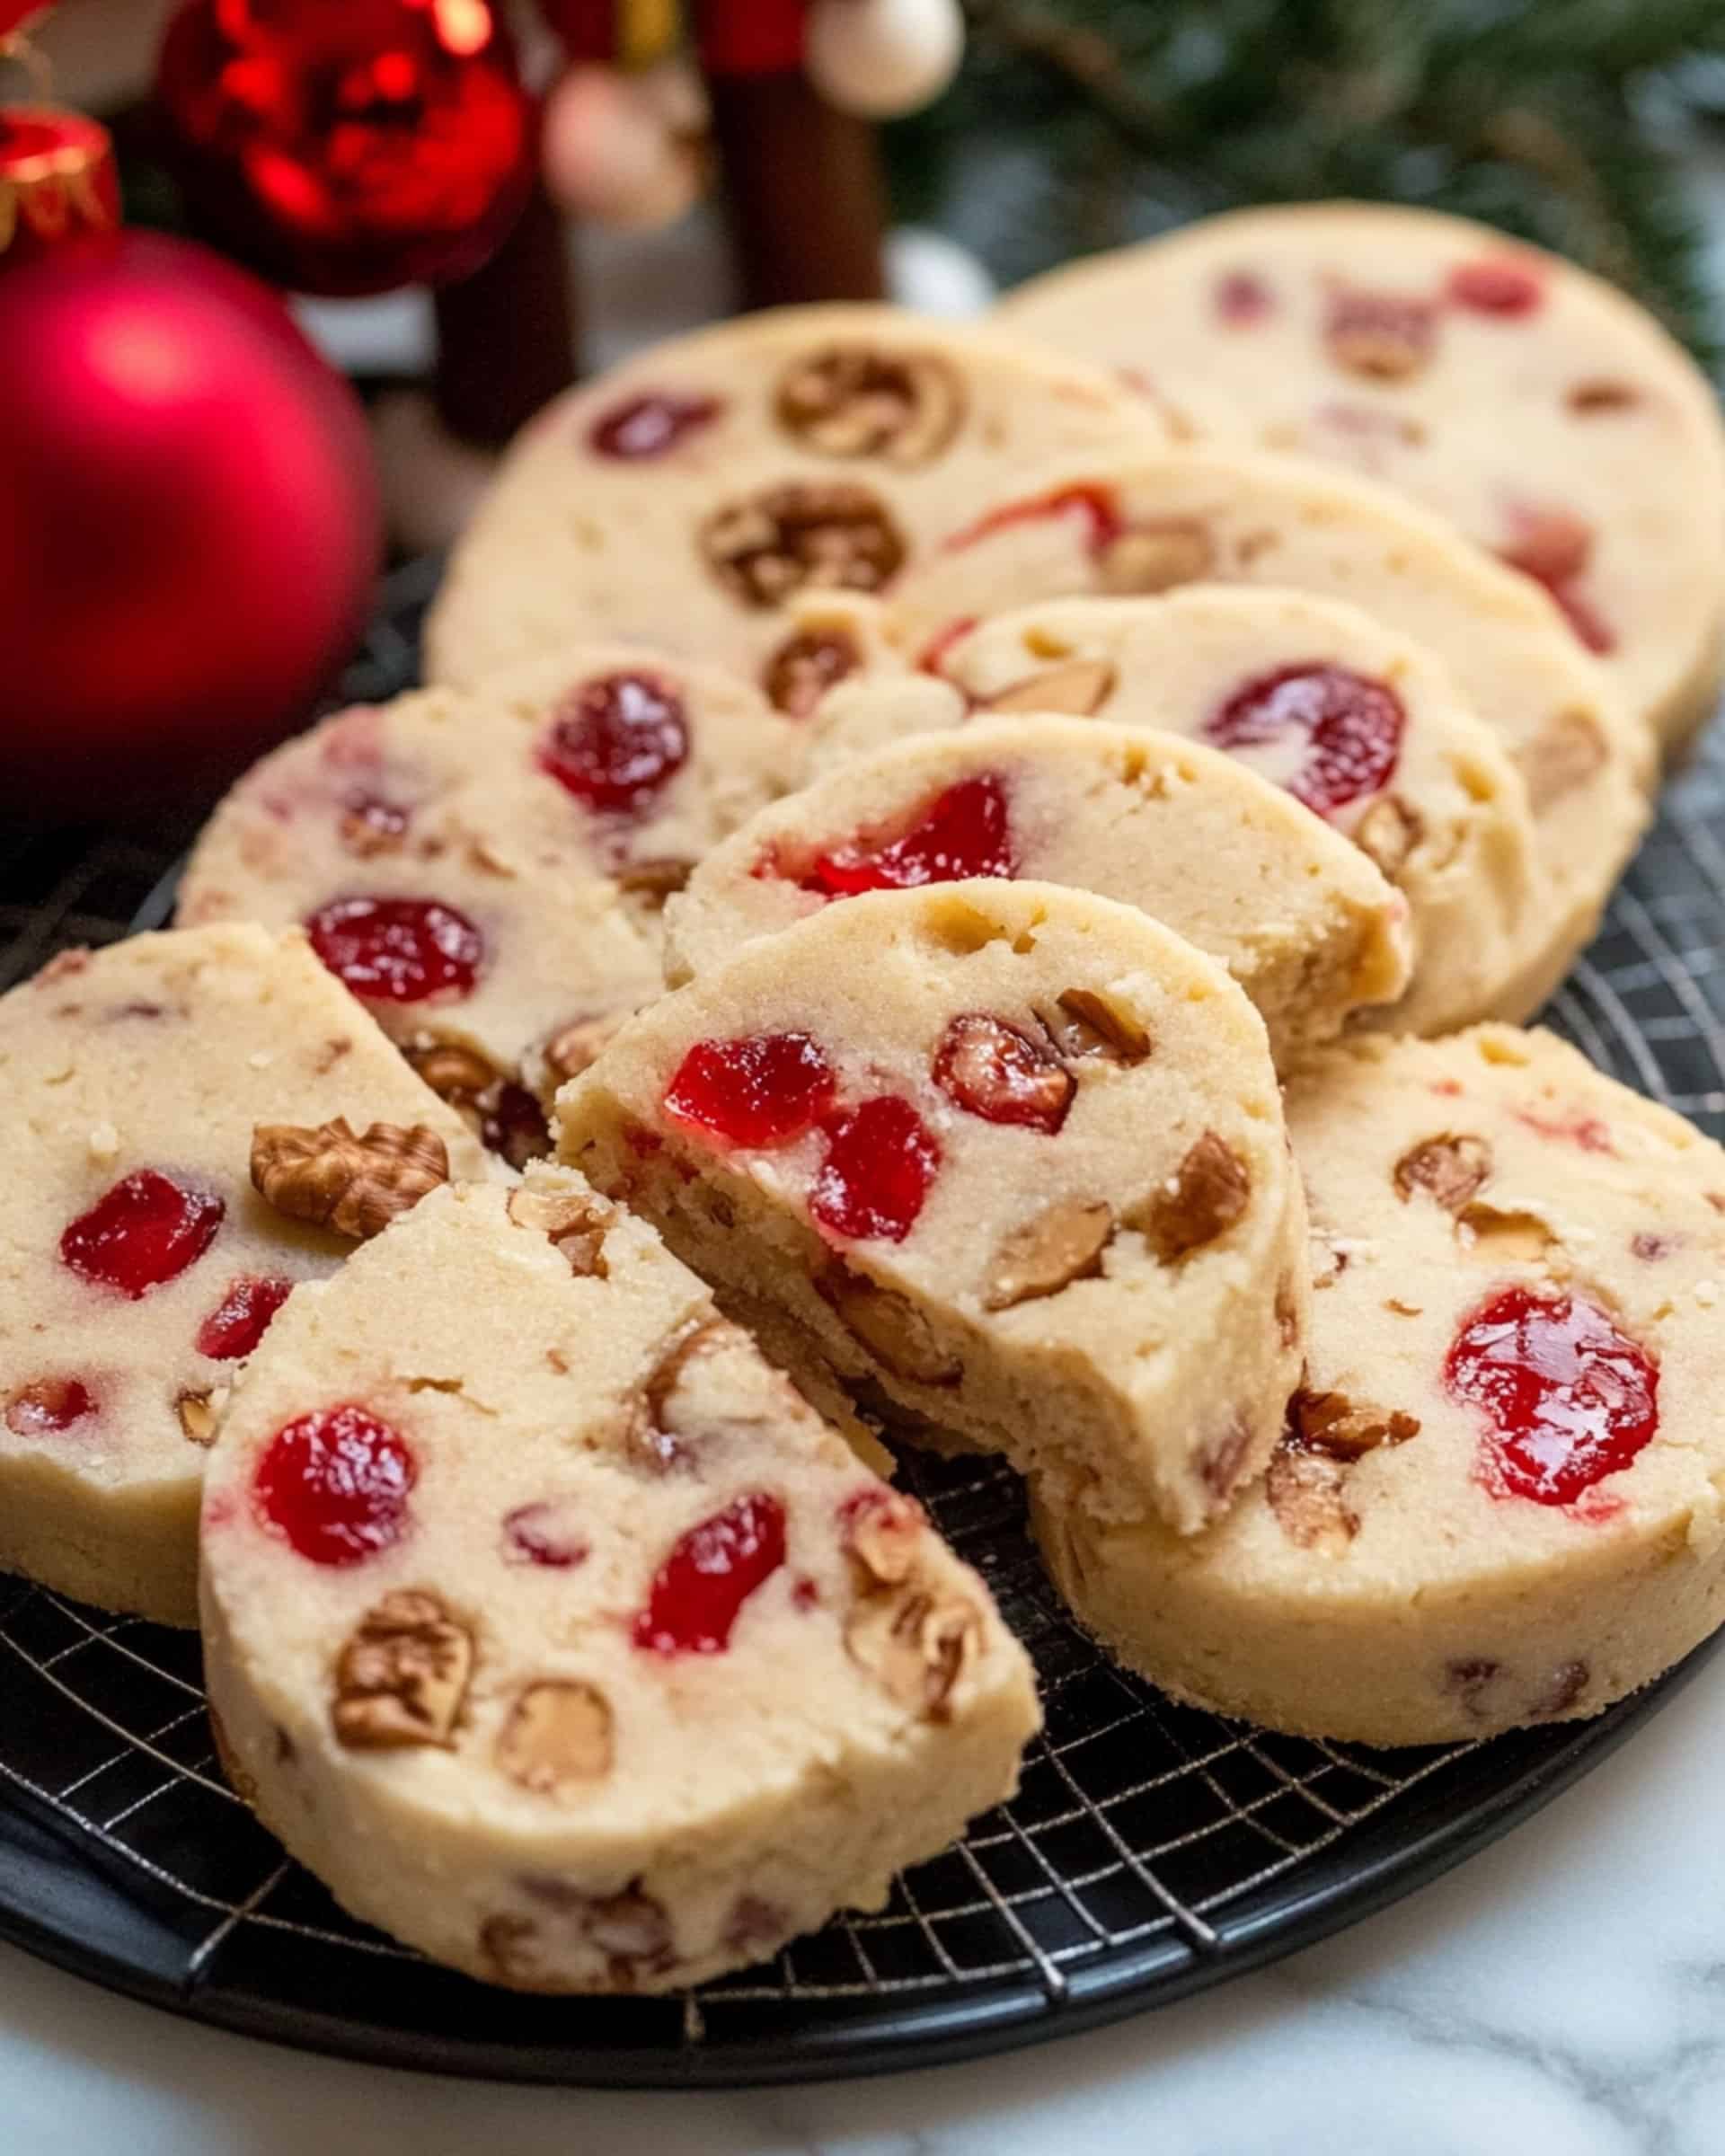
x: 1151, y: 1850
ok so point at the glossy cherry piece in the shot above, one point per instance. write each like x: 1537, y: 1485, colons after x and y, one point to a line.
x: 1567, y: 1398
x: 334, y: 1485
x: 699, y: 1591
x: 616, y: 742
x: 966, y: 831
x: 52, y: 1404
x: 142, y: 1233
x: 996, y: 1071
x: 398, y: 950
x: 242, y: 1318
x: 880, y: 1159
x: 650, y: 426
x: 1095, y: 509
x: 1239, y: 299
x: 1496, y: 285
x: 544, y: 1533
x: 759, y: 1089
x: 1353, y: 727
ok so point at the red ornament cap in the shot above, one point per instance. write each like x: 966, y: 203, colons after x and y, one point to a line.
x: 57, y: 186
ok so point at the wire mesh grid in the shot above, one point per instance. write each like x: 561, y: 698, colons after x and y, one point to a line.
x: 1150, y: 1849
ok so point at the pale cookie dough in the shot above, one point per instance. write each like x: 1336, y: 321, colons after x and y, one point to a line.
x: 1004, y: 1155
x: 1548, y: 416
x: 603, y: 1666
x: 1492, y: 1222
x: 1303, y: 921
x: 486, y: 869
x: 1363, y: 726
x: 687, y: 498
x: 137, y: 1264
x: 1220, y: 516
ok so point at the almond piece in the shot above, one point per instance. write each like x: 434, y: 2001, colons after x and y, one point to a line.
x: 1082, y: 687
x: 890, y: 1326
x: 574, y: 1225
x: 1447, y: 1169
x: 1062, y: 1243
x: 558, y: 1738
x: 1088, y: 1024
x: 1202, y: 1199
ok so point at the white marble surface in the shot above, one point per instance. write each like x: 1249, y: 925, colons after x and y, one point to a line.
x: 1561, y: 1995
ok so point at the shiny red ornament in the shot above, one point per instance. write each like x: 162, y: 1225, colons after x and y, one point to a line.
x: 189, y: 526
x: 348, y: 147
x: 58, y: 187
x: 751, y: 36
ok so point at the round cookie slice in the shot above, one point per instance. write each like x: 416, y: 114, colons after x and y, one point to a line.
x: 1224, y: 516
x: 1358, y: 723
x: 548, y: 1625
x: 1548, y: 416
x: 1500, y: 1497
x: 684, y: 499
x: 1007, y: 1153
x: 485, y: 870
x: 1301, y: 919
x: 140, y: 1264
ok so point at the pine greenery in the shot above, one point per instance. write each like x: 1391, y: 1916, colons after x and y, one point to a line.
x: 1079, y: 124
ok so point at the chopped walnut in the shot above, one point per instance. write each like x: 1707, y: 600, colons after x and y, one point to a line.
x: 803, y: 669
x: 1288, y: 1312
x: 886, y: 1533
x: 1062, y: 1243
x: 658, y: 1431
x: 1155, y: 557
x: 891, y: 1327
x: 832, y: 535
x: 1381, y: 335
x: 355, y: 1185
x: 1387, y: 834
x: 574, y: 1223
x: 1565, y: 755
x: 578, y: 1046
x: 1345, y: 1428
x: 1588, y: 398
x: 200, y: 1413
x: 1449, y: 1169
x: 1501, y: 1235
x: 850, y: 400
x: 657, y: 879
x: 1306, y: 1492
x: 558, y: 1738
x: 1567, y: 1682
x: 918, y: 1648
x: 1220, y: 1462
x: 403, y: 1676
x: 1206, y: 1194
x: 1086, y: 1024
x: 453, y: 1073
x: 1470, y: 1678
x: 1082, y: 686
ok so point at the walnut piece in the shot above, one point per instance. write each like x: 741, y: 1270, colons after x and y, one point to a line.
x: 788, y: 537
x: 1155, y: 557
x: 1345, y: 1428
x: 355, y: 1185
x: 659, y: 877
x: 200, y: 1413
x: 890, y: 1326
x: 1387, y: 834
x: 558, y: 1737
x: 1062, y: 1243
x: 1565, y: 755
x: 574, y: 1222
x: 917, y: 1646
x: 802, y: 669
x: 1082, y: 687
x: 1206, y: 1194
x: 1449, y: 1169
x: 578, y: 1046
x: 453, y: 1073
x: 403, y: 1676
x: 885, y: 1533
x: 853, y: 400
x: 661, y: 1429
x: 1307, y: 1493
x: 1087, y: 1024
x: 1384, y: 336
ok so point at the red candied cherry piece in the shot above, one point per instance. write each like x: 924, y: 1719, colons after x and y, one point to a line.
x: 398, y: 950
x: 1554, y: 548
x: 617, y: 742
x: 650, y: 426
x: 1567, y: 1398
x: 544, y: 1533
x: 880, y: 1159
x: 699, y: 1591
x: 966, y: 831
x: 1354, y: 727
x: 334, y: 1485
x: 1240, y: 297
x: 242, y: 1318
x: 142, y: 1233
x: 932, y: 657
x: 1096, y: 508
x: 995, y: 1070
x: 51, y: 1405
x: 757, y: 1089
x: 1495, y: 284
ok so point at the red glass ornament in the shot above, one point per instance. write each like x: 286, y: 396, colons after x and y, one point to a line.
x: 57, y: 188
x: 348, y: 147
x: 751, y: 36
x: 189, y: 524
x: 698, y: 1593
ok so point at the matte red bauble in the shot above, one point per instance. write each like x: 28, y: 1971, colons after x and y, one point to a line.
x: 348, y: 147
x: 189, y: 525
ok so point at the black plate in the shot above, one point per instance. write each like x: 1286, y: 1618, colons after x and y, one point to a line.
x: 1152, y: 1850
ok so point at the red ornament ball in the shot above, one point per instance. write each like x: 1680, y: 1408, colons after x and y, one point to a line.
x: 57, y: 184
x: 348, y: 147
x: 189, y: 525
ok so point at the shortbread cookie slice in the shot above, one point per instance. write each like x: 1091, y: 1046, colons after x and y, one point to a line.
x: 684, y: 500
x: 1217, y: 516
x: 1498, y: 1500
x: 1548, y: 416
x: 1008, y: 1153
x: 485, y: 870
x: 1301, y: 919
x: 140, y: 1263
x: 1363, y: 726
x: 548, y: 1625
